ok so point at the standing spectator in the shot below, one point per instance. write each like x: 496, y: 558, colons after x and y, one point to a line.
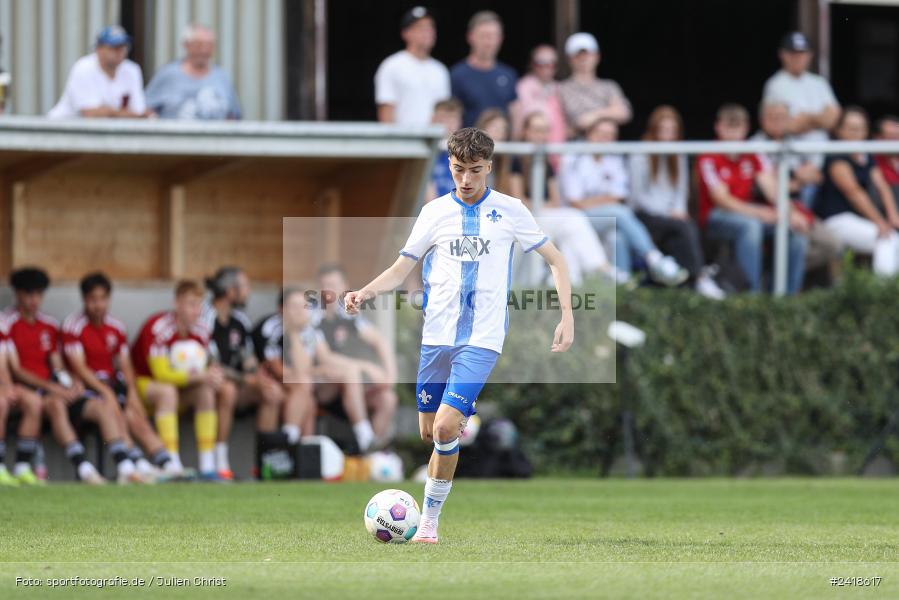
x: 480, y: 81
x: 29, y: 407
x: 845, y: 205
x: 538, y: 91
x: 888, y: 130
x: 597, y: 184
x: 813, y: 106
x: 194, y: 87
x: 659, y: 189
x: 449, y: 114
x: 104, y: 83
x: 409, y: 83
x: 727, y: 208
x: 585, y: 97
x: 568, y: 227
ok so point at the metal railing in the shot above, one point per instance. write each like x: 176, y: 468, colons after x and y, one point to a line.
x: 778, y: 151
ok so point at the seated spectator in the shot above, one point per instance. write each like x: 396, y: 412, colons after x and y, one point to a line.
x: 659, y: 187
x: 35, y: 362
x: 104, y: 83
x: 194, y: 87
x: 167, y: 389
x: 729, y: 212
x: 360, y: 342
x: 96, y: 348
x: 496, y: 124
x: 480, y: 81
x: 449, y: 114
x: 845, y: 206
x: 585, y: 97
x: 538, y: 91
x: 888, y: 131
x: 597, y: 184
x: 805, y: 178
x: 567, y: 227
x: 409, y: 83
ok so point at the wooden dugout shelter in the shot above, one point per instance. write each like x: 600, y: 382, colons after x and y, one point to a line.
x: 155, y: 200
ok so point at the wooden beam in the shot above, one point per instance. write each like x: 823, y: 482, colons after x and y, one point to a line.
x: 5, y: 227
x: 567, y: 21
x: 34, y: 167
x: 19, y: 216
x: 173, y: 204
x: 191, y: 171
x: 329, y: 203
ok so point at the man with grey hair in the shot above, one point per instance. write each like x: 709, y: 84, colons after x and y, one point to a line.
x: 193, y: 87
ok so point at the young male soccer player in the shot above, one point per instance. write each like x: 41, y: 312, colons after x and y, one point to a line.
x: 465, y: 240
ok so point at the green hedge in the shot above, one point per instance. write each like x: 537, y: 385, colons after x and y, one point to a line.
x: 749, y: 385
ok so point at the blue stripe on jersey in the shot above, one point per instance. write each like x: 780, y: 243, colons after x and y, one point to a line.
x: 538, y: 244
x: 508, y: 286
x: 466, y: 302
x: 425, y: 274
x: 471, y: 222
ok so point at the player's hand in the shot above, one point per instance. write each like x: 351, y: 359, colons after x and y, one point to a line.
x: 564, y: 335
x: 894, y: 221
x: 215, y: 376
x: 799, y: 223
x: 354, y: 300
x: 767, y: 214
x: 883, y: 229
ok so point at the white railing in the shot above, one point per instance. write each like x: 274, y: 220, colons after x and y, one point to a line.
x: 779, y: 151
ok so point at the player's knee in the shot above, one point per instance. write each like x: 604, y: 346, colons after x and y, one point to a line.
x: 30, y: 404
x: 227, y: 395
x: 445, y: 432
x: 165, y: 398
x: 273, y: 396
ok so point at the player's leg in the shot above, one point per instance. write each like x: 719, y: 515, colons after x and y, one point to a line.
x: 138, y: 424
x: 202, y: 398
x: 102, y: 412
x: 60, y: 415
x: 382, y: 402
x: 6, y: 479
x: 31, y: 408
x: 226, y: 402
x: 299, y: 411
x: 352, y: 397
x: 163, y: 398
x: 270, y: 397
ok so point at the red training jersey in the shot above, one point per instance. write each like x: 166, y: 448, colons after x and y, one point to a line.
x: 889, y: 166
x: 98, y: 344
x: 737, y: 173
x: 156, y: 338
x: 33, y: 342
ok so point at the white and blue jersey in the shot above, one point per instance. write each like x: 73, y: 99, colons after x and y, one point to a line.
x: 466, y: 254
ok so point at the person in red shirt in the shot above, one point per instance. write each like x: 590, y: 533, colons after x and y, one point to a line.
x: 729, y: 211
x: 96, y: 349
x: 888, y: 130
x: 162, y: 386
x: 37, y: 363
x: 28, y: 404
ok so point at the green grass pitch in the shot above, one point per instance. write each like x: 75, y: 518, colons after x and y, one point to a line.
x: 544, y: 538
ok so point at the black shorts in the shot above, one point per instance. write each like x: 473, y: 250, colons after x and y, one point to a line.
x: 119, y: 388
x: 76, y: 408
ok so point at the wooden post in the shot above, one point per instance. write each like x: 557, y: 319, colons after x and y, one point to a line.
x: 18, y: 254
x: 568, y: 21
x: 173, y: 238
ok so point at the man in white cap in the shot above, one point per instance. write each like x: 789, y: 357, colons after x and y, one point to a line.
x: 585, y: 97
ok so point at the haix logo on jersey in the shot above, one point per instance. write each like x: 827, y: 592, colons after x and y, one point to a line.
x: 471, y: 245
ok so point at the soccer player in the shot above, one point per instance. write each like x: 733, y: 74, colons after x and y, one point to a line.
x: 162, y: 386
x: 35, y: 361
x: 28, y: 403
x: 96, y: 349
x: 465, y: 240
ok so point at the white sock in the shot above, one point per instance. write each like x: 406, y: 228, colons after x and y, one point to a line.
x: 292, y: 432
x: 207, y: 461
x: 144, y: 467
x: 653, y: 256
x: 20, y: 468
x: 86, y: 469
x: 221, y: 456
x: 176, y: 463
x: 365, y: 435
x: 436, y: 491
x: 126, y: 467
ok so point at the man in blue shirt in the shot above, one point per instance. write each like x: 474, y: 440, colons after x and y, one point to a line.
x: 480, y: 81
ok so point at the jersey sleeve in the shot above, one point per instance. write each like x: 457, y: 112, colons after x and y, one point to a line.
x: 527, y: 232
x: 420, y: 239
x: 708, y: 173
x: 385, y: 87
x: 81, y: 92
x: 161, y: 367
x: 71, y: 343
x: 137, y: 102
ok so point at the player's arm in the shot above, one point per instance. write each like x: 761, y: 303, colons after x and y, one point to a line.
x: 85, y: 374
x: 161, y: 370
x: 387, y: 281
x: 564, y: 334
x: 827, y: 118
x: 886, y: 196
x: 25, y: 376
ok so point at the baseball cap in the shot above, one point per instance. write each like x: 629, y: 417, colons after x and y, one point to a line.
x: 578, y: 42
x: 413, y: 16
x: 114, y: 35
x: 795, y: 42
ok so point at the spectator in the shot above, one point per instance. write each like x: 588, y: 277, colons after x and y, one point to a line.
x: 5, y: 80
x: 659, y: 187
x: 360, y: 342
x: 567, y: 227
x: 585, y: 97
x: 805, y: 178
x: 449, y: 114
x: 104, y: 83
x: 480, y: 81
x: 813, y: 107
x: 37, y: 364
x: 538, y: 91
x: 167, y: 388
x: 496, y: 124
x: 888, y: 130
x: 194, y: 87
x: 729, y: 212
x: 96, y: 349
x: 597, y: 184
x: 846, y: 207
x: 409, y: 83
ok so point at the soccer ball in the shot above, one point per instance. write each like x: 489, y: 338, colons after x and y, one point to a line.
x: 392, y: 516
x: 188, y: 355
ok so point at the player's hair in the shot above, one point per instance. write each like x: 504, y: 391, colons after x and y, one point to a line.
x: 656, y: 117
x: 452, y: 105
x: 469, y: 145
x: 92, y: 281
x: 484, y: 16
x: 223, y: 280
x: 29, y: 279
x: 188, y: 287
x: 882, y: 121
x: 732, y: 114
